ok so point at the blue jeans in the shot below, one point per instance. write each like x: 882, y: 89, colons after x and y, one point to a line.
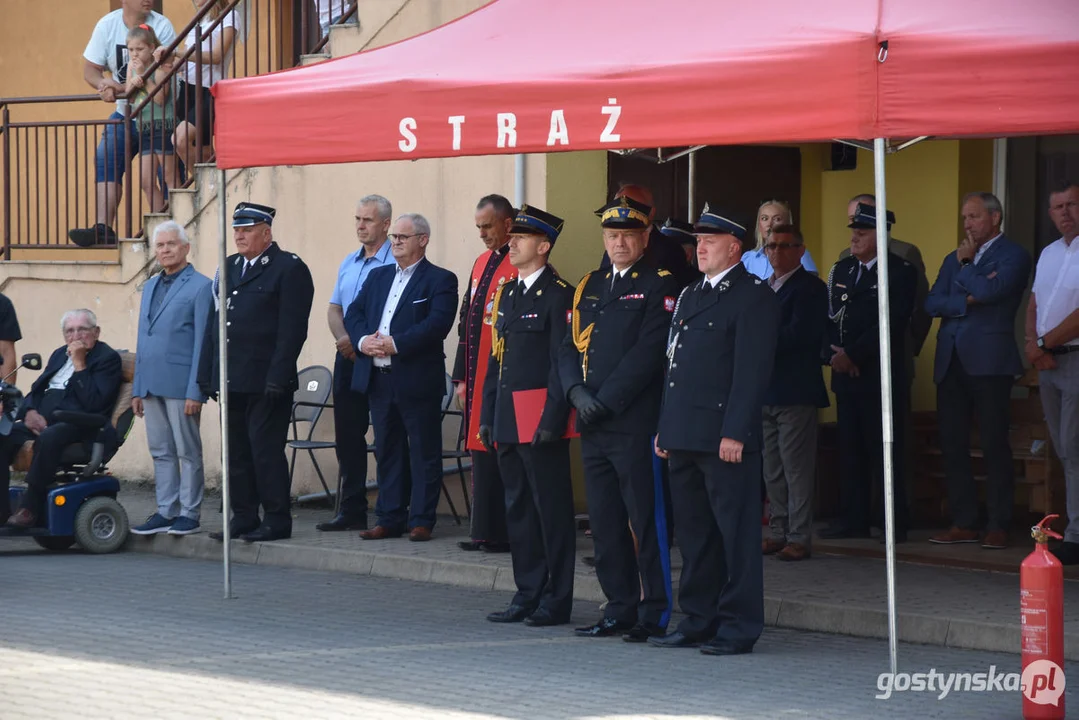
x: 113, y: 155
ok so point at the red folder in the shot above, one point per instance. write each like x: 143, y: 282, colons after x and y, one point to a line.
x: 528, y: 408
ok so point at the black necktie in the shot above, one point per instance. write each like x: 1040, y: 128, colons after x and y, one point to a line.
x: 243, y: 271
x: 521, y: 287
x: 706, y: 287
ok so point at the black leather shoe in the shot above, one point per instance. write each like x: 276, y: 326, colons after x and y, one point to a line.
x: 640, y: 632
x: 544, y: 618
x: 604, y: 628
x: 512, y: 614
x: 234, y: 533
x: 266, y: 534
x: 589, y: 560
x: 675, y: 640
x: 343, y: 522
x: 470, y: 545
x: 842, y: 533
x: 726, y: 647
x: 496, y: 547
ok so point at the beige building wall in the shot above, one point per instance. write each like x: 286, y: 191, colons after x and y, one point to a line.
x: 316, y: 207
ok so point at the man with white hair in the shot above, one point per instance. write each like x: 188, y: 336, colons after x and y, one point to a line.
x: 82, y: 375
x: 172, y: 324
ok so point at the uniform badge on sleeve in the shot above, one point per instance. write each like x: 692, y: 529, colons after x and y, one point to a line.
x: 668, y: 303
x: 569, y: 316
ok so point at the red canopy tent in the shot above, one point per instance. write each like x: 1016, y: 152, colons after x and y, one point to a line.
x: 571, y: 75
x: 518, y: 76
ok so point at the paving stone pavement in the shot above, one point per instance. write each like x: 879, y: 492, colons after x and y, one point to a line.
x: 138, y: 635
x: 974, y: 609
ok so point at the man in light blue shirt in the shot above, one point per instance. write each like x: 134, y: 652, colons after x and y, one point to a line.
x: 351, y: 413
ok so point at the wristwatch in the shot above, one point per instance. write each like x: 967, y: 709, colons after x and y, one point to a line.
x: 965, y: 261
x: 1041, y: 343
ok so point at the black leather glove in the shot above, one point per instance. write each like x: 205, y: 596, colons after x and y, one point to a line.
x: 589, y: 409
x: 485, y: 438
x: 275, y: 392
x: 543, y: 437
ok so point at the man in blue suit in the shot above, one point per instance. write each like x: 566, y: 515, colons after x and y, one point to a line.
x: 398, y: 324
x: 795, y: 392
x: 976, y: 296
x: 172, y: 323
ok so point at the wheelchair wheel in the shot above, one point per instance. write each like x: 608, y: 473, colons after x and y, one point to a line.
x: 54, y: 543
x: 101, y: 525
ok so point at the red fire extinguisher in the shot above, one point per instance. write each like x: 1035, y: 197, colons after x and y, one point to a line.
x: 1041, y: 589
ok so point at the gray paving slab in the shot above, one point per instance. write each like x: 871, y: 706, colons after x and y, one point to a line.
x: 974, y: 609
x: 140, y: 635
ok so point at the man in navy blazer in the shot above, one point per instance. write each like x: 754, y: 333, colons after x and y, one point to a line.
x: 173, y: 316
x: 398, y: 324
x: 976, y: 296
x: 83, y: 376
x: 794, y: 394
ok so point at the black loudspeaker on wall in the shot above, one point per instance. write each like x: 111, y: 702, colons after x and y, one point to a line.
x: 844, y: 157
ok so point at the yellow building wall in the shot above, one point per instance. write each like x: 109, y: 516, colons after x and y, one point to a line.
x: 576, y: 185
x: 925, y: 184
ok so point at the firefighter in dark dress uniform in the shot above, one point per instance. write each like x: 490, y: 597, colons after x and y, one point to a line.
x: 720, y: 353
x: 531, y: 318
x: 611, y: 366
x: 269, y: 294
x: 854, y: 355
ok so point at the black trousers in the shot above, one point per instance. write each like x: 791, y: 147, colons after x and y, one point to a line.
x: 621, y: 489
x: 351, y: 419
x: 488, y: 499
x: 539, y: 508
x: 959, y: 396
x: 48, y: 447
x: 861, y: 449
x: 717, y: 508
x: 258, y: 430
x: 408, y: 450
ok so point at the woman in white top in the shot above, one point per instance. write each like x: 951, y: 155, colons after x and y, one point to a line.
x: 770, y: 214
x: 218, y: 46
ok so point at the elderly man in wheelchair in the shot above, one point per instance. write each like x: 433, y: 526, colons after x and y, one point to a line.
x: 66, y: 418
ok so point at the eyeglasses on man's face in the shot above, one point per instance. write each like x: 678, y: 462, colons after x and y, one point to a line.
x: 398, y: 237
x: 772, y: 247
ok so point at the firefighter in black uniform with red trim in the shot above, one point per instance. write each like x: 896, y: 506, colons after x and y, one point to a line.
x: 521, y: 391
x: 611, y: 366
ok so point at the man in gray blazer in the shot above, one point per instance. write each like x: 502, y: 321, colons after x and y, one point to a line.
x: 172, y: 323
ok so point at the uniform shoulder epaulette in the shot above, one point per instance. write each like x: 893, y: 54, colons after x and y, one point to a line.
x: 561, y: 283
x: 663, y: 273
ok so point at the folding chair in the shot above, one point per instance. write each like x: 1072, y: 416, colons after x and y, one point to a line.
x: 460, y: 458
x: 308, y: 402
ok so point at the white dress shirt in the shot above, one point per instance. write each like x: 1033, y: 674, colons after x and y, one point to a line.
x: 59, y: 380
x: 397, y: 289
x: 776, y: 281
x: 1056, y: 285
x: 714, y: 280
x: 531, y: 279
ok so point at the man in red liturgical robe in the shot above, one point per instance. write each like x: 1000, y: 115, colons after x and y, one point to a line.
x: 494, y: 218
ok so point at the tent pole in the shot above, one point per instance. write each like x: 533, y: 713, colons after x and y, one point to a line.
x: 222, y: 390
x: 887, y: 429
x: 518, y: 180
x: 692, y: 189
